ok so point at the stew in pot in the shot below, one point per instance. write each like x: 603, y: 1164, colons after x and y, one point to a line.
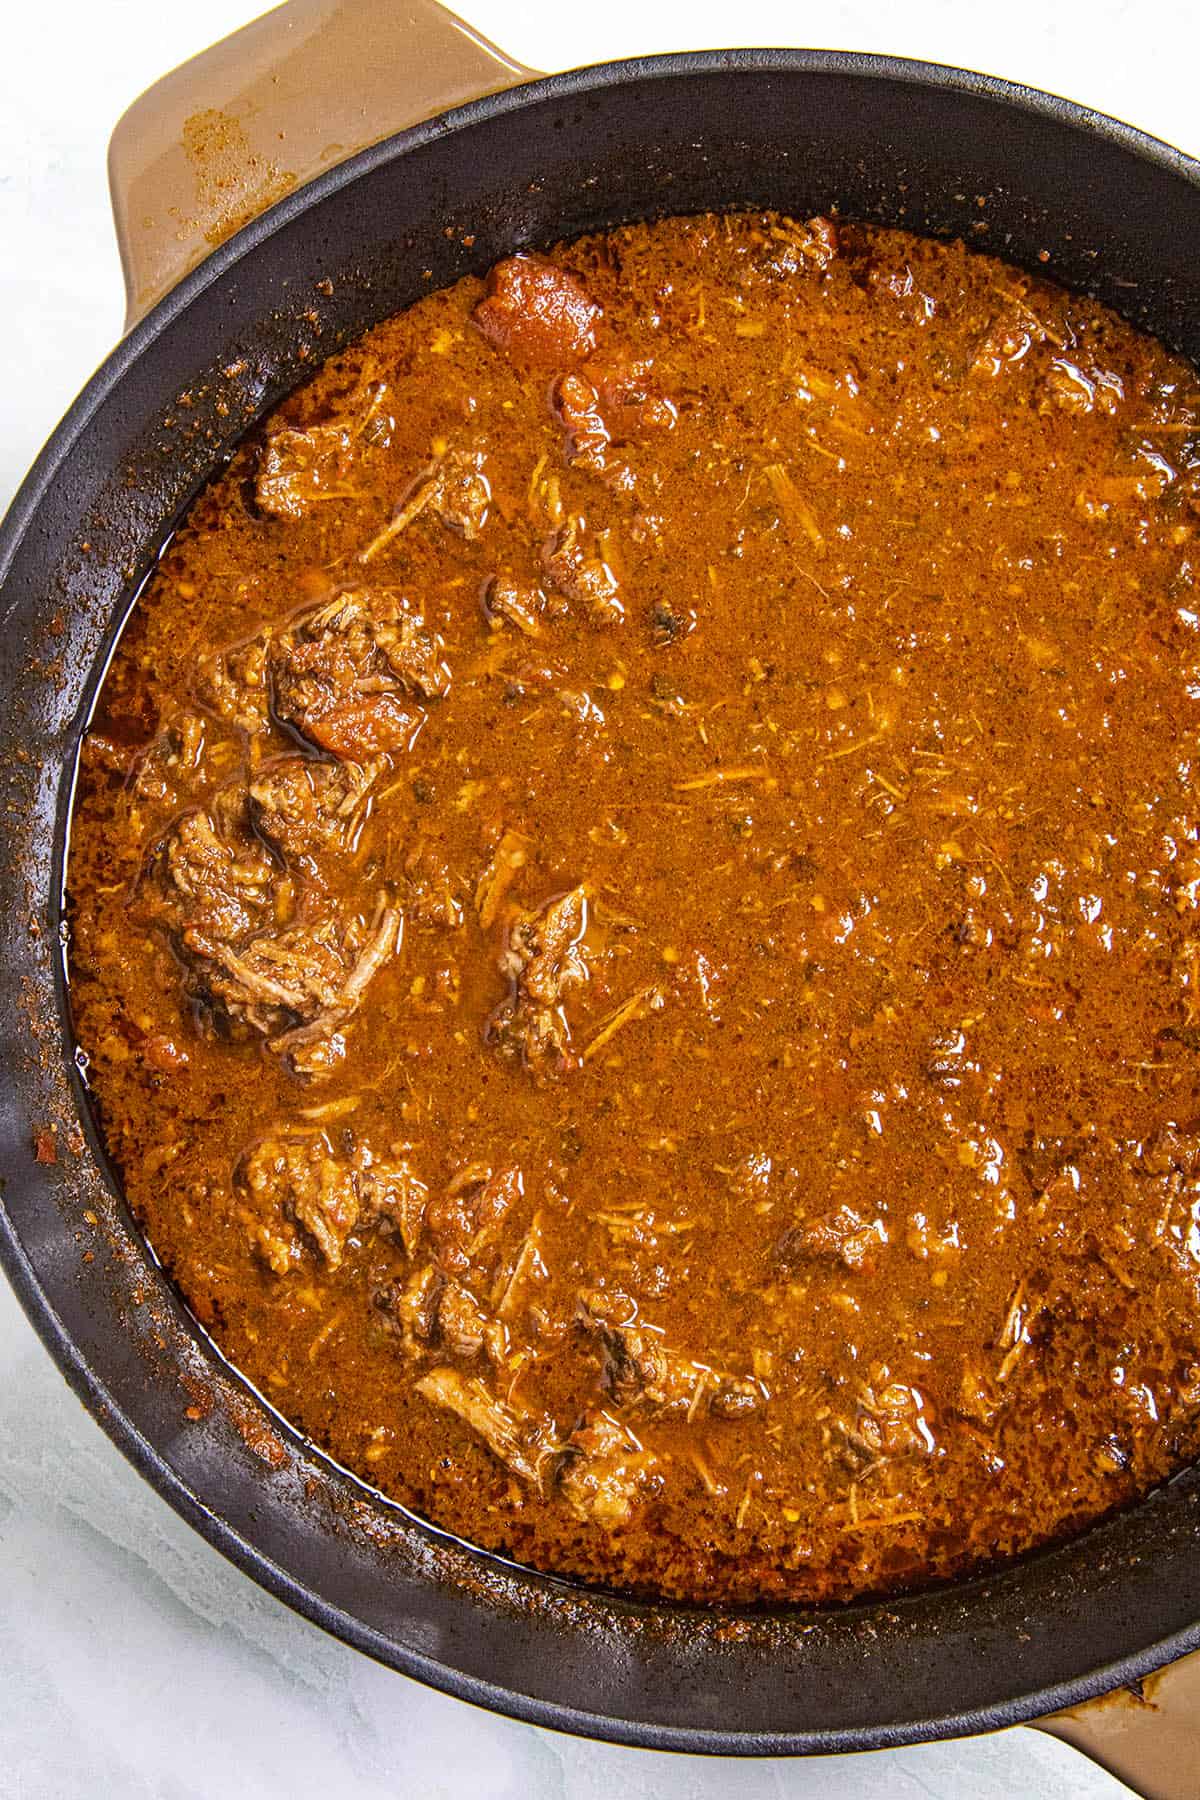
x: 635, y: 903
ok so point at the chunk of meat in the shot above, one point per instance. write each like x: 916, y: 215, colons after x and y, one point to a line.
x: 455, y: 488
x: 537, y: 313
x: 526, y: 1446
x: 891, y: 1419
x: 299, y: 1193
x: 343, y: 675
x: 296, y: 973
x: 544, y: 954
x: 586, y: 432
x: 462, y: 493
x: 298, y: 470
x: 430, y: 1308
x: 670, y: 623
x: 837, y: 1237
x: 392, y: 1196
x: 209, y: 881
x: 606, y: 1474
x: 170, y: 760
x: 575, y: 567
x: 467, y: 1215
x: 461, y: 1325
x: 406, y: 1308
x: 297, y: 988
x: 304, y: 808
x: 642, y: 1368
x: 517, y: 603
x: 544, y: 961
x: 461, y: 1322
x: 298, y: 1181
x: 608, y: 402
x: 340, y: 675
x: 631, y: 403
x: 235, y: 684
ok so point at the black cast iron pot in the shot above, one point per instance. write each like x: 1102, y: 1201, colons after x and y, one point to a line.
x: 1058, y: 189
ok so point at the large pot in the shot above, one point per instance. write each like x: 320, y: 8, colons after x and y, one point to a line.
x: 1048, y: 184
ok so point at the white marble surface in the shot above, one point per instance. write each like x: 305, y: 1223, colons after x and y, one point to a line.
x: 135, y: 1661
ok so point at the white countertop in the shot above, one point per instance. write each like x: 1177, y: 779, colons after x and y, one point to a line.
x: 135, y: 1661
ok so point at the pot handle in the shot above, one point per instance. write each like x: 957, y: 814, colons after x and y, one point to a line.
x: 222, y: 137
x: 1148, y: 1737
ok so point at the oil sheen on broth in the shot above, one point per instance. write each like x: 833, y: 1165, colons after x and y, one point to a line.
x: 634, y: 902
